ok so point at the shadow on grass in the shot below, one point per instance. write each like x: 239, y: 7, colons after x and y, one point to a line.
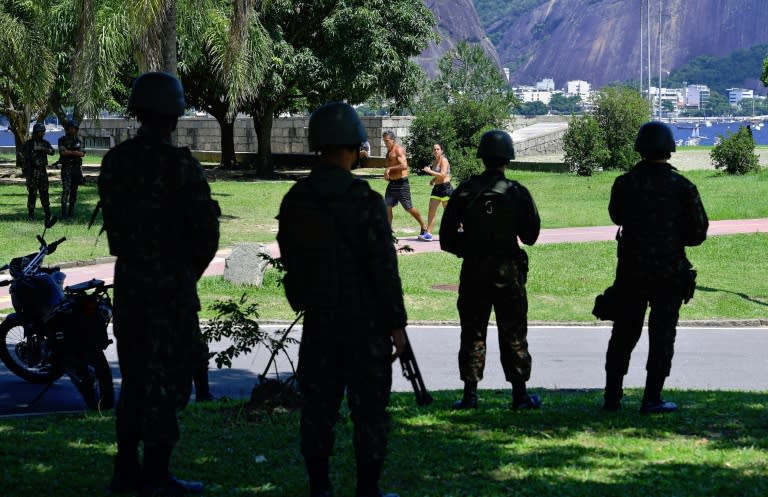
x: 738, y: 294
x: 714, y: 446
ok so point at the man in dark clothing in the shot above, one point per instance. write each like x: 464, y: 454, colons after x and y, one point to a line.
x: 482, y: 223
x: 36, y: 151
x: 659, y: 213
x: 163, y: 227
x: 71, y: 152
x: 341, y: 270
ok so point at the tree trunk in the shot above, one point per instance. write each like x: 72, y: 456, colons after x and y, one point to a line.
x: 228, y: 157
x: 262, y: 123
x: 18, y: 124
x: 169, y: 40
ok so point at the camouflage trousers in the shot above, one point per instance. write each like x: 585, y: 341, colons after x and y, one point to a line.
x: 334, y: 357
x: 70, y: 181
x: 664, y: 298
x: 496, y: 283
x: 159, y: 346
x: 37, y: 181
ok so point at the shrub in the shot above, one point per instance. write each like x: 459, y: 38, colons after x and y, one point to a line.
x: 464, y: 164
x: 736, y: 153
x: 584, y: 146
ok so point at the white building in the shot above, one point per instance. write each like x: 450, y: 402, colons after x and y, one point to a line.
x: 578, y: 87
x: 696, y: 96
x: 736, y: 95
x: 532, y: 94
x: 546, y: 84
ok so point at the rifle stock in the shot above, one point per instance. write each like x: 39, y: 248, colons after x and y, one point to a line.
x: 412, y: 374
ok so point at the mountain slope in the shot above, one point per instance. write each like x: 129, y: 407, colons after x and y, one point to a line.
x: 599, y: 40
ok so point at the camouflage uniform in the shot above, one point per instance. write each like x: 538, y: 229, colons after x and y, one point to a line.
x: 493, y: 275
x: 71, y: 173
x: 163, y: 227
x: 36, y: 154
x: 660, y: 213
x: 346, y: 339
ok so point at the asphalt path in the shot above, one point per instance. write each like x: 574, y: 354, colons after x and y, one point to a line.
x: 563, y: 358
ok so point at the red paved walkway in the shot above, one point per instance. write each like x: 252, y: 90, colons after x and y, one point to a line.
x: 104, y: 271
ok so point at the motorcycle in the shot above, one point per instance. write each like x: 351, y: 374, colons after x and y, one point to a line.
x: 57, y: 329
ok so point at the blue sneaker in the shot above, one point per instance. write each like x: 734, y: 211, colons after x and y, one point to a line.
x: 425, y: 236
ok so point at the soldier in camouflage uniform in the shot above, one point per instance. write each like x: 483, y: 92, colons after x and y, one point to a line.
x: 162, y: 225
x: 36, y: 151
x: 71, y: 152
x: 660, y: 213
x: 341, y: 269
x: 494, y: 270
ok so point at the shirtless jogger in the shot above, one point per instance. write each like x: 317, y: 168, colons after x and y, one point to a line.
x: 399, y: 189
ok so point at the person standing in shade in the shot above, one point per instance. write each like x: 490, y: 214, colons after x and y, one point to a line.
x: 659, y: 213
x: 440, y: 170
x: 162, y: 226
x: 341, y: 270
x: 36, y: 151
x: 399, y: 189
x: 484, y: 218
x: 71, y: 153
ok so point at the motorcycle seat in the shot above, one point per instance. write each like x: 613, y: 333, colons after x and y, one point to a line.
x: 85, y: 285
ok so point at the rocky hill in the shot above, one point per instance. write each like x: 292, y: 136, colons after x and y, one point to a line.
x: 599, y: 40
x: 456, y: 21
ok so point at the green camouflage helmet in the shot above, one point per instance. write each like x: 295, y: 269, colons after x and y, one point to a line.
x: 157, y: 93
x: 654, y: 137
x: 335, y: 123
x: 496, y: 144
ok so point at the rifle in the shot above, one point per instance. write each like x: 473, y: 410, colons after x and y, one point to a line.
x: 412, y: 374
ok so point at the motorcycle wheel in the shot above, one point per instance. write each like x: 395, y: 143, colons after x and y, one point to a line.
x: 23, y: 355
x: 97, y: 388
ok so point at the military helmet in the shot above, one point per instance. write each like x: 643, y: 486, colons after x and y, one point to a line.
x: 157, y: 93
x: 496, y: 144
x: 654, y: 137
x: 71, y: 123
x: 335, y: 123
x: 38, y: 127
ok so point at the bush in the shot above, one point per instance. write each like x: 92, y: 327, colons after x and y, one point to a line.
x: 620, y: 112
x: 465, y: 164
x: 584, y: 146
x: 736, y: 153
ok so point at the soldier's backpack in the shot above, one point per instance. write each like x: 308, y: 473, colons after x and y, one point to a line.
x: 490, y: 220
x: 311, y: 244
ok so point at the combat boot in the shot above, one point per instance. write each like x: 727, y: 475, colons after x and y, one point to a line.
x: 520, y: 398
x: 659, y: 406
x: 652, y: 401
x: 469, y: 400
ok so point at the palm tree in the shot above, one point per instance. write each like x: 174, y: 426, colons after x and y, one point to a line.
x: 24, y: 86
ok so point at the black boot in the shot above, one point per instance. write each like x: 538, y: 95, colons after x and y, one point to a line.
x: 202, y: 387
x: 368, y: 474
x: 614, y: 391
x: 64, y: 214
x: 520, y: 398
x: 126, y: 474
x: 157, y: 478
x: 319, y: 481
x: 652, y: 401
x: 469, y: 400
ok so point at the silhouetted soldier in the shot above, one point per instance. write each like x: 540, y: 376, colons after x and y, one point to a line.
x: 36, y: 151
x: 482, y: 222
x: 659, y: 213
x: 163, y: 227
x: 71, y: 153
x: 341, y: 269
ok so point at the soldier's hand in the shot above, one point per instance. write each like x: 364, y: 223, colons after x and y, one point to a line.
x: 398, y: 341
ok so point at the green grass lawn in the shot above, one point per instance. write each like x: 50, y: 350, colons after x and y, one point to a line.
x: 562, y: 283
x: 716, y: 445
x: 249, y: 208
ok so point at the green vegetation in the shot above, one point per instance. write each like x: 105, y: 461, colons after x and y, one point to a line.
x: 736, y: 153
x: 716, y: 445
x: 563, y: 281
x: 468, y: 97
x: 721, y: 73
x: 490, y: 11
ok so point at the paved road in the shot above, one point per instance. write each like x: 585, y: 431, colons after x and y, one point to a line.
x: 563, y: 358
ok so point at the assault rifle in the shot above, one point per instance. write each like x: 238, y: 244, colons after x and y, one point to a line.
x: 412, y: 374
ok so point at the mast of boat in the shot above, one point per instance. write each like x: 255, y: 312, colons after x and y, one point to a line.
x: 659, y: 60
x: 641, y: 48
x: 648, y: 36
